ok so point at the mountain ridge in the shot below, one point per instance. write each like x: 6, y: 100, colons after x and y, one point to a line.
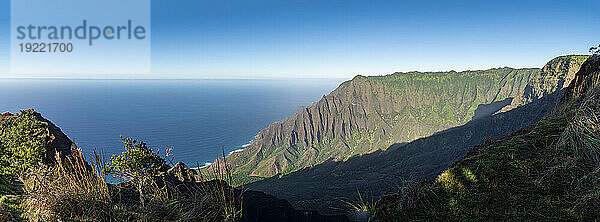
x: 548, y: 171
x: 420, y: 159
x: 367, y: 114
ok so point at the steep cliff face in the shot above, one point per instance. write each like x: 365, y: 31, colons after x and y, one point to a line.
x: 548, y: 171
x: 554, y: 76
x: 322, y: 186
x: 367, y: 114
x: 587, y: 78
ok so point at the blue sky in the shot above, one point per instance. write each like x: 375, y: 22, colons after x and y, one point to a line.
x: 339, y: 39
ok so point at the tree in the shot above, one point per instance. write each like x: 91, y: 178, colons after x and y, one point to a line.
x: 137, y: 164
x: 595, y: 50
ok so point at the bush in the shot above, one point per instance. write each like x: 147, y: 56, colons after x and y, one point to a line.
x: 138, y: 164
x: 20, y: 144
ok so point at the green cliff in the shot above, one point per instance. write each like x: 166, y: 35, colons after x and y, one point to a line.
x: 322, y: 186
x: 367, y: 114
x: 546, y: 172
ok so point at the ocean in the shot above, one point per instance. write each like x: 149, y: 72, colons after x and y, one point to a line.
x: 197, y: 119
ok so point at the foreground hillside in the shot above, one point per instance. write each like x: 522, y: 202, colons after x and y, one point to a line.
x: 549, y: 171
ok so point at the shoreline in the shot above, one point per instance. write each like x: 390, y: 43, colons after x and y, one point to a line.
x: 207, y: 164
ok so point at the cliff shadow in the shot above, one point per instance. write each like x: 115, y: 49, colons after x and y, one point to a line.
x: 485, y: 110
x: 324, y: 186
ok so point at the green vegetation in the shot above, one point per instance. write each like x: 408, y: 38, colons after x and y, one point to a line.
x: 520, y: 177
x: 20, y: 146
x: 138, y: 164
x: 420, y: 159
x: 231, y: 202
x: 33, y: 188
x: 368, y: 114
x: 547, y: 172
x: 69, y: 191
x: 66, y: 191
x: 10, y: 208
x: 550, y: 171
x: 363, y: 204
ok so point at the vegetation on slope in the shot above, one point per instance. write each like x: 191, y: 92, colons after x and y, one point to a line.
x: 73, y: 189
x: 367, y: 114
x: 26, y: 141
x: 557, y: 74
x: 549, y: 171
x: 43, y: 181
x: 35, y: 186
x: 322, y: 186
x: 19, y: 149
x: 70, y: 191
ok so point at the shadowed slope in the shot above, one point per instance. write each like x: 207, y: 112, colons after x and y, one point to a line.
x: 545, y: 172
x: 367, y: 114
x: 321, y: 187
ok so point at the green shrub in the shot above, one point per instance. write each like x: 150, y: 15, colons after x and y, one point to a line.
x: 138, y: 164
x: 21, y: 146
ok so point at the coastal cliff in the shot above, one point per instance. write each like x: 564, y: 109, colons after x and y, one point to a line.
x: 548, y: 171
x: 367, y: 114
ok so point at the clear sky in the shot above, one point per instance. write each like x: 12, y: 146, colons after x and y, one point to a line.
x: 339, y: 39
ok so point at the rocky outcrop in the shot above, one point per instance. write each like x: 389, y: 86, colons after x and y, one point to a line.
x: 257, y: 206
x: 554, y: 76
x: 587, y: 77
x: 182, y: 173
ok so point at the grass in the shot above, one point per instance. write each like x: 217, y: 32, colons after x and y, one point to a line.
x: 362, y: 204
x: 75, y: 190
x: 10, y: 208
x: 582, y: 134
x: 227, y: 195
x: 363, y: 207
x: 67, y: 190
x: 548, y: 172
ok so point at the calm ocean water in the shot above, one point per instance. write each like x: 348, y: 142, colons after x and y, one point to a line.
x: 197, y: 118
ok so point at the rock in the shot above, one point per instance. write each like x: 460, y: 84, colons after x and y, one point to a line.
x: 262, y: 207
x: 257, y: 206
x: 587, y: 77
x: 554, y: 76
x: 183, y: 173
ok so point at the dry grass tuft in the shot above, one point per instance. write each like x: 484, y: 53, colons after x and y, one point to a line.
x: 582, y: 135
x: 75, y: 191
x: 67, y: 190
